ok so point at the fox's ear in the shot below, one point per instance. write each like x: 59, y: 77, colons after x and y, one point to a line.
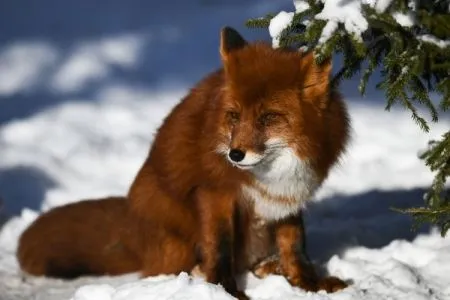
x: 230, y: 40
x: 316, y: 77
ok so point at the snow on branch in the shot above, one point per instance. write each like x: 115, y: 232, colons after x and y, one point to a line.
x: 301, y: 6
x: 347, y: 12
x: 352, y: 14
x: 428, y: 38
x: 404, y: 19
x: 278, y: 24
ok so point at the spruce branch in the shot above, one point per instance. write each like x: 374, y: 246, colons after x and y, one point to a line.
x: 414, y: 61
x: 424, y: 215
x: 262, y: 22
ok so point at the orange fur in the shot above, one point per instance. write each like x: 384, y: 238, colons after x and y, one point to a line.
x: 84, y: 238
x: 191, y: 207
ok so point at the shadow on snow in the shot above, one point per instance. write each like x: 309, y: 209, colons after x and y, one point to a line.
x: 365, y: 219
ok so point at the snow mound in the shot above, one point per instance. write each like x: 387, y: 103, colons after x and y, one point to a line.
x: 160, y: 287
x: 402, y: 270
x: 11, y: 231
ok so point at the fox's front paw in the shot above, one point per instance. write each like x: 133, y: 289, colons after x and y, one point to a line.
x: 197, y: 272
x: 308, y: 280
x: 332, y: 284
x: 240, y: 295
x: 270, y: 265
x: 314, y: 284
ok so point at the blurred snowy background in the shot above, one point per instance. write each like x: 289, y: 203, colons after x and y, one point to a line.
x: 85, y: 84
x: 66, y: 66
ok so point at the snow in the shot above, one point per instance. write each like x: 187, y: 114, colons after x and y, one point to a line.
x: 116, y: 141
x: 93, y: 60
x: 375, y: 149
x: 335, y: 12
x: 405, y: 20
x: 23, y: 64
x: 382, y: 5
x: 428, y: 38
x: 371, y: 3
x: 400, y: 270
x: 347, y: 12
x: 328, y: 31
x: 412, y: 4
x: 300, y: 6
x: 91, y: 139
x: 161, y: 287
x: 277, y: 24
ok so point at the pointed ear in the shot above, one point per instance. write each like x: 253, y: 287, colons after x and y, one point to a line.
x: 316, y: 78
x: 230, y: 40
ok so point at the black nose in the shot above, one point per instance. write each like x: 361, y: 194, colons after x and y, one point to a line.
x: 236, y: 155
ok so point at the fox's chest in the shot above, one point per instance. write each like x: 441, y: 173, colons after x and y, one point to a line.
x: 281, y: 188
x: 277, y: 191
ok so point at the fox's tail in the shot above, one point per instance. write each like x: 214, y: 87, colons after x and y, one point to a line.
x: 83, y: 238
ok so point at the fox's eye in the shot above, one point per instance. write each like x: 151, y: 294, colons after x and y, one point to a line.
x: 269, y: 118
x: 233, y: 117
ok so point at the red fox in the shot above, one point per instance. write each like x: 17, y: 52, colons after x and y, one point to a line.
x: 231, y: 168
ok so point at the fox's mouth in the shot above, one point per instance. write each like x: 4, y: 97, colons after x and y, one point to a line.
x: 245, y: 166
x: 247, y: 162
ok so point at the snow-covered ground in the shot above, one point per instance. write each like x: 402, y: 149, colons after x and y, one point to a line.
x: 350, y: 226
x: 81, y: 100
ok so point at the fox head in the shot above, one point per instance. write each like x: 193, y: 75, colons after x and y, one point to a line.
x: 275, y: 105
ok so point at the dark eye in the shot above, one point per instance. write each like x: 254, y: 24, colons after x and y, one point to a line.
x: 233, y: 117
x: 269, y: 118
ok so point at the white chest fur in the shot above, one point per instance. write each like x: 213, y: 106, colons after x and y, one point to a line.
x: 282, y: 185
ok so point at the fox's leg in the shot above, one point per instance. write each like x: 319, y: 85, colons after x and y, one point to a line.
x: 216, y: 211
x: 293, y: 262
x: 167, y: 252
x: 164, y: 229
